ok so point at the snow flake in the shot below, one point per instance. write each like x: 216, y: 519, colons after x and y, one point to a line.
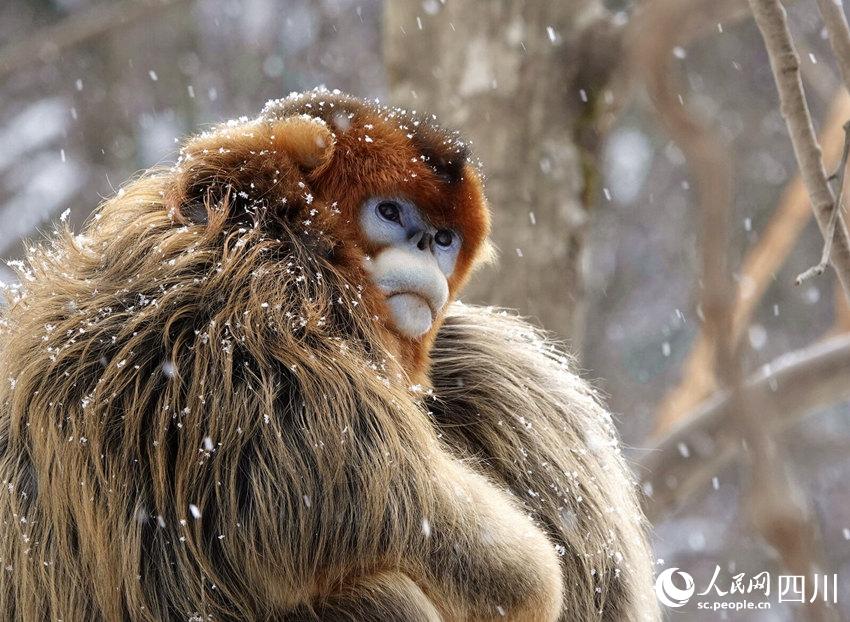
x: 168, y: 369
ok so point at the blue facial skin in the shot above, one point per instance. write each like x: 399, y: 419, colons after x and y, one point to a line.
x: 396, y: 222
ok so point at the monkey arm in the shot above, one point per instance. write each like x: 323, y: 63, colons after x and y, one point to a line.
x: 507, y: 397
x: 406, y: 529
x: 486, y: 553
x: 481, y: 559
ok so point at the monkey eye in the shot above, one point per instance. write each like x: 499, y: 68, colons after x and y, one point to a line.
x: 444, y: 238
x: 389, y: 210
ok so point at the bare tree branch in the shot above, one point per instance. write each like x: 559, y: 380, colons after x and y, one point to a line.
x: 799, y: 383
x: 771, y: 20
x: 835, y: 21
x: 841, y: 324
x: 757, y: 270
x: 46, y: 44
x: 708, y: 163
x: 839, y: 39
x: 770, y: 493
x: 696, y: 19
x: 833, y: 218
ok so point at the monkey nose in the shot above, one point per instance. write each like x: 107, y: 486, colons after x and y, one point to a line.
x: 424, y: 241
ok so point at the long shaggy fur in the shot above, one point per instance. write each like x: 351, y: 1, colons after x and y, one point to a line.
x: 507, y: 397
x: 205, y: 415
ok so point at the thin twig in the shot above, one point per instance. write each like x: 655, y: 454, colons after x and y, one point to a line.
x: 836, y: 211
x: 771, y: 20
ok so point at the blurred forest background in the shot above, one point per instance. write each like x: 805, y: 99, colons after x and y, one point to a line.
x: 596, y: 214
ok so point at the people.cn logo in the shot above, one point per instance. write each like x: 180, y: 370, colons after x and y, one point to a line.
x: 669, y: 593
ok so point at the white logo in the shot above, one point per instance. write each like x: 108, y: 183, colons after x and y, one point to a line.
x: 742, y: 592
x: 671, y: 595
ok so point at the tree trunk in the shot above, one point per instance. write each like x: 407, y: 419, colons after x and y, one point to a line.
x: 512, y: 76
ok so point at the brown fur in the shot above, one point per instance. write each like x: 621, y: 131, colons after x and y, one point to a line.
x: 207, y: 414
x: 507, y: 398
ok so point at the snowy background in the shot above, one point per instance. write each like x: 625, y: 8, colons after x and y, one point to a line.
x: 74, y: 128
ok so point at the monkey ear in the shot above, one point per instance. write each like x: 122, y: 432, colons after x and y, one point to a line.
x: 307, y: 140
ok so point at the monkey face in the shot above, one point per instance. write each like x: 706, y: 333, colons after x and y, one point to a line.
x: 413, y: 263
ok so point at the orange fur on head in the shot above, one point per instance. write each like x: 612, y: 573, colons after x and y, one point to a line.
x: 316, y: 157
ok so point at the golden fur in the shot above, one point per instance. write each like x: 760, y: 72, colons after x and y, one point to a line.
x: 206, y: 415
x: 507, y: 398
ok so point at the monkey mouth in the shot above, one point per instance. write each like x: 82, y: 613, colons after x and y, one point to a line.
x: 412, y: 313
x: 417, y: 295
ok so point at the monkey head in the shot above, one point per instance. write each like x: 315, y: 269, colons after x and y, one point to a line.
x: 412, y: 210
x: 413, y: 262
